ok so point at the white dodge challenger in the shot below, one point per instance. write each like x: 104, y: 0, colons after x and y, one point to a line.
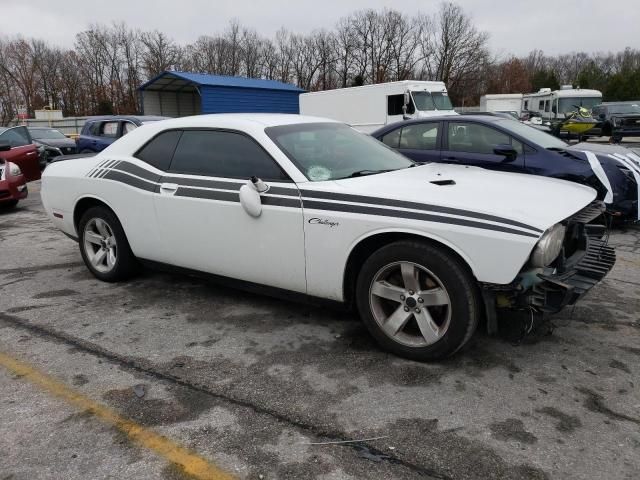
x: 288, y: 203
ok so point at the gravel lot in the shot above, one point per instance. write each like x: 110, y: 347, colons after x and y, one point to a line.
x: 253, y: 384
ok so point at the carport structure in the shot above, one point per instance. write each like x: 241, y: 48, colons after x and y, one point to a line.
x: 178, y: 94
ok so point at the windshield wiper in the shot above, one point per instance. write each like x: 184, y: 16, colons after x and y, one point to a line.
x: 362, y: 173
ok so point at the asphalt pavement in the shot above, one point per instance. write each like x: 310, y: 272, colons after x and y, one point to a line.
x: 173, y: 377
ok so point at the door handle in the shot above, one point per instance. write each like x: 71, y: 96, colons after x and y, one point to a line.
x: 168, y: 188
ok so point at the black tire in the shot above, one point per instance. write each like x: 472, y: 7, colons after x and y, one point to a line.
x: 9, y: 204
x: 455, y: 278
x: 125, y: 264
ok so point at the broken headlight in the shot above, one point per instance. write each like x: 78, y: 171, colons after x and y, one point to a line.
x: 548, y: 247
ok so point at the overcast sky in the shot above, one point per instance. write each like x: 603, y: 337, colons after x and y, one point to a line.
x: 515, y: 26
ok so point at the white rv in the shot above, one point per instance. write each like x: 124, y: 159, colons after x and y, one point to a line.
x: 369, y: 107
x: 552, y: 105
x: 501, y: 102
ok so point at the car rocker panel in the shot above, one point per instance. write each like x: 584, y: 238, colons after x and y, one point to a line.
x: 527, y: 253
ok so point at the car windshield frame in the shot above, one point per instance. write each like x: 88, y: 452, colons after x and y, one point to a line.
x: 367, y: 155
x: 35, y: 134
x: 530, y: 134
x: 426, y: 101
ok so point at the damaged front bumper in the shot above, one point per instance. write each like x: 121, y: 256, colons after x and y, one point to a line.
x: 573, y: 276
x: 585, y: 260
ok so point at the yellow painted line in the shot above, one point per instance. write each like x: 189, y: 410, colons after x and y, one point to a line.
x: 189, y: 462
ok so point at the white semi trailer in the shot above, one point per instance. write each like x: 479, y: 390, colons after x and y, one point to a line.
x: 369, y: 107
x: 501, y: 102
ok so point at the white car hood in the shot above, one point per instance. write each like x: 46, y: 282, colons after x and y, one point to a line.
x: 534, y: 200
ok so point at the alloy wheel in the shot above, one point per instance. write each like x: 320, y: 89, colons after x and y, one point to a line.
x: 100, y: 245
x: 410, y: 304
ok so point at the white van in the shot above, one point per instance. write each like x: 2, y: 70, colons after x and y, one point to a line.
x: 370, y: 107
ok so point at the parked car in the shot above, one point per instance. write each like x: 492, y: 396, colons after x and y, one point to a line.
x: 617, y: 120
x: 100, y: 132
x: 23, y: 152
x: 501, y: 144
x: 305, y: 205
x: 52, y: 143
x: 13, y: 185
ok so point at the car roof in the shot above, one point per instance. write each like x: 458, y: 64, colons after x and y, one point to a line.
x: 474, y: 117
x: 42, y: 128
x: 261, y: 119
x: 141, y: 118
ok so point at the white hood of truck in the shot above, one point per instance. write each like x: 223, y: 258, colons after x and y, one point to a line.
x: 537, y: 201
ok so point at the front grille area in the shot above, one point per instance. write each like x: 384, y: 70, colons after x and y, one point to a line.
x: 4, y: 193
x: 588, y: 213
x: 579, y: 274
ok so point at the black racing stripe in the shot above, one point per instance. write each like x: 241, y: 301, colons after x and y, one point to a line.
x: 207, y: 194
x: 138, y: 171
x: 198, y: 182
x: 293, y: 192
x: 129, y: 180
x: 340, y: 207
x: 281, y: 202
x: 413, y: 205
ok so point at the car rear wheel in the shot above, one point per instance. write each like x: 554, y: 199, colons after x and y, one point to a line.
x: 418, y: 300
x: 104, y: 246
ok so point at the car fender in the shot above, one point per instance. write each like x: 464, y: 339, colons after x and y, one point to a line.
x: 410, y: 232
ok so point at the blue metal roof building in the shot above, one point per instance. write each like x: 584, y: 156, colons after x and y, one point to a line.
x: 178, y: 94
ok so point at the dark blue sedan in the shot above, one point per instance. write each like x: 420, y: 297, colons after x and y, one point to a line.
x: 502, y: 144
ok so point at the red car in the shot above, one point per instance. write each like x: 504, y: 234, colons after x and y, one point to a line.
x: 22, y: 151
x: 13, y: 184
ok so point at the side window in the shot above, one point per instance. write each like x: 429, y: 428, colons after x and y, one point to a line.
x: 17, y: 136
x: 518, y: 146
x: 541, y: 105
x: 159, y: 150
x: 395, y: 103
x: 475, y: 138
x: 392, y: 139
x: 420, y: 137
x: 223, y: 154
x: 128, y: 127
x: 108, y: 129
x: 526, y: 105
x: 93, y: 129
x: 546, y: 105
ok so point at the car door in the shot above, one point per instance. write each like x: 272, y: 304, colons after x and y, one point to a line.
x: 205, y: 227
x: 418, y: 141
x: 23, y: 152
x: 473, y: 143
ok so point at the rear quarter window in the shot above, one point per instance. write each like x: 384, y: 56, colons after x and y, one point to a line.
x: 158, y: 152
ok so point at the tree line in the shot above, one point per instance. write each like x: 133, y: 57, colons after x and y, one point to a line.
x: 107, y: 63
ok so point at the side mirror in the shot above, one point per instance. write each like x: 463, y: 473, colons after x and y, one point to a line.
x: 5, y: 146
x: 602, y: 116
x: 250, y: 196
x: 507, y: 151
x: 407, y: 99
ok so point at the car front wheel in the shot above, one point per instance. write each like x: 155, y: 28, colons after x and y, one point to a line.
x: 418, y: 300
x: 104, y: 246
